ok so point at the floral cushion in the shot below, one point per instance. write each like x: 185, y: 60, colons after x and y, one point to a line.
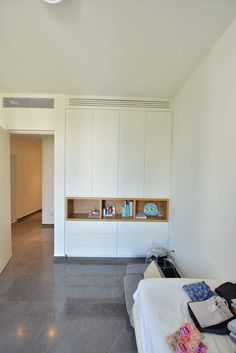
x: 198, y: 291
x: 187, y: 339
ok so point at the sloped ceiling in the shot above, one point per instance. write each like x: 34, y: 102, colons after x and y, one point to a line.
x: 142, y: 48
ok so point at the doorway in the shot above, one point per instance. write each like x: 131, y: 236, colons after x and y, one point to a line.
x: 32, y: 177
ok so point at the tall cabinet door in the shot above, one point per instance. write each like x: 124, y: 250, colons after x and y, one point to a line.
x: 157, y: 154
x: 79, y: 152
x: 105, y: 152
x: 131, y: 153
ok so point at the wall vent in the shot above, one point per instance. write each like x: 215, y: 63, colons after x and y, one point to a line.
x: 19, y: 102
x: 118, y: 103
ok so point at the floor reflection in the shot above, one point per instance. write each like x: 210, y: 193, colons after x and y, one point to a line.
x: 65, y: 308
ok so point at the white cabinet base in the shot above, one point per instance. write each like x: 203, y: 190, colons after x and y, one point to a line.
x: 90, y: 239
x: 90, y: 245
x: 113, y: 239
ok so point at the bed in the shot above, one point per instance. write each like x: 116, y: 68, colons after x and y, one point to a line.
x: 160, y: 308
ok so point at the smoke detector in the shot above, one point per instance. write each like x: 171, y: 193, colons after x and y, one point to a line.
x: 52, y: 1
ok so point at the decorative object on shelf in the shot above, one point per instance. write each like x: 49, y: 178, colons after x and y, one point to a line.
x: 131, y: 207
x: 126, y: 210
x: 94, y: 214
x: 108, y: 211
x: 151, y: 210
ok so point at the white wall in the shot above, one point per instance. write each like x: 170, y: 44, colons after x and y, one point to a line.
x: 25, y: 119
x: 48, y: 180
x: 59, y: 180
x: 2, y: 122
x: 5, y: 217
x: 46, y: 121
x: 203, y: 213
x: 2, y: 119
x: 28, y: 180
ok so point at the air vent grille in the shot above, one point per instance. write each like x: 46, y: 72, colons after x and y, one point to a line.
x: 118, y: 103
x: 19, y: 102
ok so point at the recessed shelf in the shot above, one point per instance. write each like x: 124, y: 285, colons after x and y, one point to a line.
x: 79, y: 209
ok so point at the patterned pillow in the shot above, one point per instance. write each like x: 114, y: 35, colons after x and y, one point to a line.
x: 187, y: 339
x: 198, y: 291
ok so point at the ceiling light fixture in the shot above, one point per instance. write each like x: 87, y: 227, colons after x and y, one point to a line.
x: 52, y: 1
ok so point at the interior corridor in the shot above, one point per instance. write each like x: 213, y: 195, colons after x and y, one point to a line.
x: 56, y: 307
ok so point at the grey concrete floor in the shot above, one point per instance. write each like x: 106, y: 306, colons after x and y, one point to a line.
x: 60, y: 308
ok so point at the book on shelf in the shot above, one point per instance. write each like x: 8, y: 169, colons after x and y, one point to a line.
x: 140, y: 215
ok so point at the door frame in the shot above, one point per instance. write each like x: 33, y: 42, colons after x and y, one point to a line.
x: 41, y: 133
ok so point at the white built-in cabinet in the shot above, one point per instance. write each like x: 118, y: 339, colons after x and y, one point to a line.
x: 116, y: 153
x: 157, y: 154
x: 105, y: 152
x: 79, y: 138
x: 92, y: 152
x: 94, y: 239
x: 134, y: 239
x: 131, y: 153
x: 113, y: 239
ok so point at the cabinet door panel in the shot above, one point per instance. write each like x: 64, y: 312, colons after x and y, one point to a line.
x: 90, y: 238
x: 157, y: 154
x: 131, y: 153
x: 105, y: 152
x: 97, y: 245
x: 93, y: 227
x: 134, y: 239
x: 79, y: 152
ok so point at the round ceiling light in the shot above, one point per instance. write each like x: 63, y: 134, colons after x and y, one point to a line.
x: 52, y: 1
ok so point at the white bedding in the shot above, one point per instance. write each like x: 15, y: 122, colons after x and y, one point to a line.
x: 161, y: 309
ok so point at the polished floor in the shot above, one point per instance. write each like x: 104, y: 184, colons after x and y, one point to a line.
x: 60, y: 308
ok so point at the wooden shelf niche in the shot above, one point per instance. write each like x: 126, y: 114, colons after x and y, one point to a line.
x: 118, y: 203
x: 79, y: 208
x: 162, y: 205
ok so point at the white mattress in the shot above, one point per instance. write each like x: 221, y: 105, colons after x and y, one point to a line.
x: 161, y: 308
